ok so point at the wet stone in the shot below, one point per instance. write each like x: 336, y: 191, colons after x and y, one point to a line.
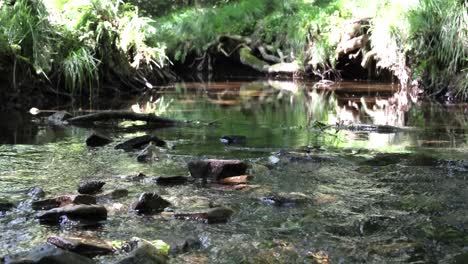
x: 97, y: 140
x: 138, y: 177
x: 233, y: 139
x: 189, y: 244
x: 143, y: 252
x: 234, y: 180
x: 47, y: 254
x: 209, y: 216
x: 150, y: 203
x: 90, y: 187
x: 86, y: 246
x: 61, y: 201
x: 5, y: 205
x: 170, y: 180
x: 90, y: 213
x: 140, y: 142
x: 286, y: 199
x: 215, y: 169
x: 36, y: 192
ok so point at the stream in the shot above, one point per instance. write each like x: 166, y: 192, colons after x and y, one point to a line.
x: 321, y: 192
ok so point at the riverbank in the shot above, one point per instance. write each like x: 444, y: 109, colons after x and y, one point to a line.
x: 98, y: 48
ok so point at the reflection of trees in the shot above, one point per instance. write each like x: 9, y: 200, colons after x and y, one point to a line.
x: 16, y: 129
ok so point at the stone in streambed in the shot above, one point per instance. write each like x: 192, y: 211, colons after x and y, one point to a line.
x: 140, y: 142
x: 47, y: 254
x: 170, y: 180
x: 63, y: 200
x: 143, y: 252
x: 286, y: 199
x: 233, y: 139
x: 215, y: 169
x: 97, y: 140
x: 89, y: 213
x: 59, y: 118
x: 150, y: 203
x: 234, y: 180
x: 5, y: 205
x: 86, y: 246
x: 209, y: 216
x: 90, y: 187
x: 112, y: 195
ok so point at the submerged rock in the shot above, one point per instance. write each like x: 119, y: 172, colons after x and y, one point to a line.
x: 90, y: 187
x: 209, y: 216
x: 5, y: 205
x: 59, y: 118
x: 189, y: 244
x: 233, y: 139
x: 97, y: 140
x: 63, y: 200
x: 36, y: 192
x: 140, y: 142
x: 286, y: 199
x: 90, y: 213
x: 150, y: 203
x: 114, y: 194
x: 234, y: 180
x: 47, y: 254
x: 139, y: 177
x: 86, y: 246
x: 151, y: 152
x: 143, y: 252
x: 215, y: 169
x: 170, y: 180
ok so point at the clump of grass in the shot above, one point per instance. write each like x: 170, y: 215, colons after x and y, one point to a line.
x: 80, y: 70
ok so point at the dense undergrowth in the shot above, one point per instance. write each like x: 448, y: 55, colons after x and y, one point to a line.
x: 76, y: 46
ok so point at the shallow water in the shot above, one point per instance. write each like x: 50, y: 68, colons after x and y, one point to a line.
x: 364, y: 197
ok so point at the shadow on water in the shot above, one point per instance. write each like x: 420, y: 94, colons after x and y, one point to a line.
x: 321, y: 191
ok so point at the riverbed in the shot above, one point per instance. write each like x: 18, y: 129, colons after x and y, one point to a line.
x: 322, y: 191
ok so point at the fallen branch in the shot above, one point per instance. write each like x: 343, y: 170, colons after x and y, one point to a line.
x: 120, y: 115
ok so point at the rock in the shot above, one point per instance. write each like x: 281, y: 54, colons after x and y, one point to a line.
x: 140, y: 142
x: 5, y: 205
x: 61, y: 201
x: 139, y: 177
x: 273, y: 160
x: 151, y: 152
x: 233, y: 139
x: 170, y: 180
x: 150, y: 203
x: 209, y: 216
x: 242, y: 179
x: 90, y: 187
x: 143, y: 252
x: 36, y: 192
x: 191, y: 243
x: 91, y: 213
x: 114, y: 194
x: 97, y: 140
x: 286, y: 199
x: 86, y: 246
x: 59, y: 118
x: 47, y: 254
x: 214, y: 169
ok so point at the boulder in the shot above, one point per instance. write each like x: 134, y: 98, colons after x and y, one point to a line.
x: 36, y: 192
x: 97, y: 140
x: 63, y: 200
x: 114, y: 194
x: 90, y: 187
x: 215, y: 169
x: 234, y: 180
x: 150, y: 203
x: 209, y: 216
x: 140, y: 142
x: 86, y: 246
x: 47, y: 254
x: 170, y: 180
x: 59, y: 118
x: 89, y: 213
x: 143, y: 252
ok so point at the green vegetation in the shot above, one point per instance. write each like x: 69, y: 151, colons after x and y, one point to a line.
x: 79, y: 45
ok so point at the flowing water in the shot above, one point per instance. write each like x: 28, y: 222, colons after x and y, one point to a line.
x: 353, y: 196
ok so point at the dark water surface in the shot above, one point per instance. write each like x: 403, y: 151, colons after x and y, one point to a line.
x: 358, y: 196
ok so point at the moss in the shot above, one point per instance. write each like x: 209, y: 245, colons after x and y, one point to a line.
x: 246, y: 57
